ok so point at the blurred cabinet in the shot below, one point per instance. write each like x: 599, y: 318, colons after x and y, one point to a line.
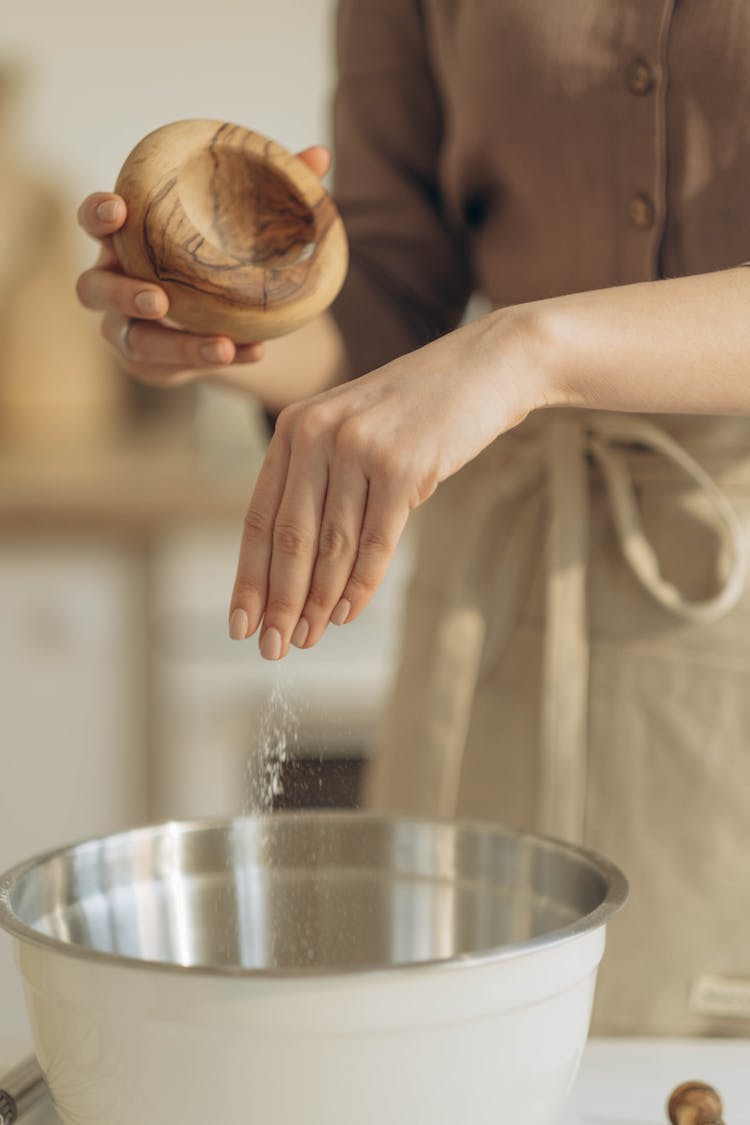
x: 72, y: 735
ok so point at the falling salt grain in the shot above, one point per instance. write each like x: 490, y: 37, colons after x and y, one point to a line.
x: 278, y: 735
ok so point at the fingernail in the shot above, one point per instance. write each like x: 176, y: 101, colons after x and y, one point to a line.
x: 214, y: 353
x: 341, y: 612
x: 270, y: 644
x: 301, y: 629
x: 238, y: 625
x: 108, y: 210
x: 148, y: 302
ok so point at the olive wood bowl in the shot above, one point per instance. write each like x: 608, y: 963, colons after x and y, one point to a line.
x: 239, y: 232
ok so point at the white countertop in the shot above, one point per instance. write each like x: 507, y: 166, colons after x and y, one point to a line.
x: 628, y: 1081
x: 621, y: 1082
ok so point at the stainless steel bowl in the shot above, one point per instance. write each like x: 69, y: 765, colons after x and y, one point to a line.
x: 306, y: 927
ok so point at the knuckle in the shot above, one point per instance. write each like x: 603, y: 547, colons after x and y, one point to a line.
x: 352, y: 437
x: 285, y: 421
x: 334, y: 543
x: 304, y: 424
x: 362, y: 584
x: 319, y: 598
x: 255, y: 525
x: 373, y: 541
x: 289, y: 539
x: 389, y: 465
x: 281, y: 606
x: 309, y: 427
x: 248, y: 588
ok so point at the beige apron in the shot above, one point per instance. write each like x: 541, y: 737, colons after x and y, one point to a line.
x: 576, y: 659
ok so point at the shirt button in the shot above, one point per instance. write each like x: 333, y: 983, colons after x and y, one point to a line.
x: 640, y: 77
x: 641, y: 211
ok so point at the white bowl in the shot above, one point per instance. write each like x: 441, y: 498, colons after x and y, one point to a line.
x: 315, y: 968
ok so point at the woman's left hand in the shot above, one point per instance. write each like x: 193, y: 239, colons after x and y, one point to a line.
x: 344, y: 470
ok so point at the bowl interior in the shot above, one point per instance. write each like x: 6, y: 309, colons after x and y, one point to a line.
x: 247, y: 207
x: 320, y: 892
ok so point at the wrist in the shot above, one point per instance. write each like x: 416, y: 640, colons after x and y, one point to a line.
x: 534, y: 341
x: 550, y: 340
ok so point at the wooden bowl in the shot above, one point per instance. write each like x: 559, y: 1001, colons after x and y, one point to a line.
x: 240, y: 233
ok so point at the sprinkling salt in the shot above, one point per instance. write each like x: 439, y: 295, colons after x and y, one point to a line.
x: 278, y: 735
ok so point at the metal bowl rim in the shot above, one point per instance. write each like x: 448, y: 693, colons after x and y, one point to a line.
x: 617, y: 893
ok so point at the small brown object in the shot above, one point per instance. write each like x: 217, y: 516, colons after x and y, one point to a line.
x: 240, y: 233
x: 695, y: 1103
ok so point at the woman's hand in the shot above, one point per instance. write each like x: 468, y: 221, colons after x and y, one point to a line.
x: 135, y: 322
x: 345, y: 469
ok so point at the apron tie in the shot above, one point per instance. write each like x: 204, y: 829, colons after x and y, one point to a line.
x: 565, y: 658
x: 463, y: 635
x: 564, y: 705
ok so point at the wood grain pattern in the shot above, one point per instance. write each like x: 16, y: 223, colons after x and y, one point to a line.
x: 239, y: 232
x: 695, y: 1103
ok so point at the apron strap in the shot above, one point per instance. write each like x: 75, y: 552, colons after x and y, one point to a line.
x: 609, y: 430
x: 458, y: 646
x: 564, y: 704
x: 462, y: 638
x: 565, y: 658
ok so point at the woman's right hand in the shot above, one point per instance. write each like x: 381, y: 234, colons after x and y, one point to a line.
x: 136, y: 322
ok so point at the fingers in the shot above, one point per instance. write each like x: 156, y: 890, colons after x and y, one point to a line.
x: 153, y: 353
x: 102, y: 213
x: 249, y: 353
x: 294, y: 548
x: 251, y: 583
x: 340, y: 533
x: 105, y: 291
x: 319, y: 536
x: 337, y: 596
x: 104, y: 288
x: 154, y: 345
x: 385, y: 518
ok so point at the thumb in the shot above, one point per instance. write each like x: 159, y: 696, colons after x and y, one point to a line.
x: 317, y: 158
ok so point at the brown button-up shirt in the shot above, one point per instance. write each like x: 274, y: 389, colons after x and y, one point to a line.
x: 523, y: 149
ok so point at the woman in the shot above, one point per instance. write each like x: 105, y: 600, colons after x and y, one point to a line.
x: 584, y: 166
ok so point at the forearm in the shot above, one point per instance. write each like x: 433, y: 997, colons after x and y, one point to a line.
x: 348, y: 467
x: 679, y: 346
x: 294, y: 367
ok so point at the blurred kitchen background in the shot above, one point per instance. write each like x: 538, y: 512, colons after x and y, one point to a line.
x: 122, y: 700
